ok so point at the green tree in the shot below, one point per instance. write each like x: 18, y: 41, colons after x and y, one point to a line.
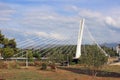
x: 36, y: 54
x: 30, y: 55
x: 93, y: 58
x: 7, y: 52
x: 12, y: 43
x: 5, y: 42
x: 110, y: 51
x: 1, y: 38
x: 6, y: 45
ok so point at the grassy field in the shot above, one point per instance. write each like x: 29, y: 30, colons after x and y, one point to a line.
x: 62, y: 73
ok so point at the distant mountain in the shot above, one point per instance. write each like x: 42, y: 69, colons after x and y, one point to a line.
x: 110, y: 45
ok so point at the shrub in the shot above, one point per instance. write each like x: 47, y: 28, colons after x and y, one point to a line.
x: 44, y: 66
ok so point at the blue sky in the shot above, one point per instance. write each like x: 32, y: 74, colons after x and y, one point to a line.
x: 58, y: 20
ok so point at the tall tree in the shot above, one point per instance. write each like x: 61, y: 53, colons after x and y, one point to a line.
x: 7, y: 46
x: 12, y: 43
x: 1, y: 37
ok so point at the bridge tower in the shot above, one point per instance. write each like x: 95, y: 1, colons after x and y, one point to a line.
x: 79, y: 43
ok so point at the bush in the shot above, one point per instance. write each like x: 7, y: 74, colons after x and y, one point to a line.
x: 44, y: 66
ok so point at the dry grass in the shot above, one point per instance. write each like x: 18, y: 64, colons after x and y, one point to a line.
x: 62, y: 73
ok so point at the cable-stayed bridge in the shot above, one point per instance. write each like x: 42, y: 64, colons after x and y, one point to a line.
x: 45, y: 45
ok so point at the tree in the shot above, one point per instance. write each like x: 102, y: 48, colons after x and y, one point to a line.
x: 7, y: 52
x: 110, y: 51
x: 1, y: 37
x: 12, y: 43
x: 7, y: 46
x: 6, y: 42
x: 93, y: 58
x: 30, y: 55
x: 36, y: 55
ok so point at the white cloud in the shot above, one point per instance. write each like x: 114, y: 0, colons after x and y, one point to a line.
x: 57, y: 36
x: 89, y: 14
x: 45, y: 21
x: 51, y: 35
x: 41, y: 34
x: 110, y: 21
x: 113, y: 22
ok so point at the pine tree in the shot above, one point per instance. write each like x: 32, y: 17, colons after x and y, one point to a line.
x: 8, y: 46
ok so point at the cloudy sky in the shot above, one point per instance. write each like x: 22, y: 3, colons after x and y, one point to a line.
x: 37, y: 21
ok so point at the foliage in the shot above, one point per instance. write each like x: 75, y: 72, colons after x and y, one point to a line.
x: 94, y: 58
x: 30, y: 55
x: 1, y: 38
x: 63, y: 53
x: 36, y: 54
x: 44, y: 66
x: 59, y: 53
x: 110, y: 51
x: 7, y: 52
x: 7, y: 46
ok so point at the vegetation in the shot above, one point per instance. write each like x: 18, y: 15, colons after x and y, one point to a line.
x: 66, y: 52
x: 7, y: 53
x: 93, y: 60
x: 110, y: 51
x: 44, y: 66
x: 30, y: 55
x: 7, y: 46
x: 73, y: 73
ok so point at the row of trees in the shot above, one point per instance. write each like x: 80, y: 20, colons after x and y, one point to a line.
x: 65, y: 52
x: 7, y: 46
x: 59, y: 54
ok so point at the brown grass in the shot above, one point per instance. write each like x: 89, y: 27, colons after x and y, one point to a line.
x: 62, y: 73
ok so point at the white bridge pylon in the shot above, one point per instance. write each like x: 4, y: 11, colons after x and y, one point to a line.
x: 79, y: 43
